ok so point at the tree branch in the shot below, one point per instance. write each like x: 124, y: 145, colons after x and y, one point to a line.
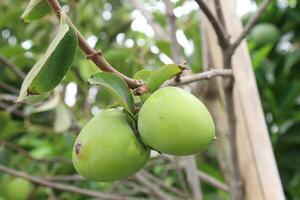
x: 205, y: 177
x: 91, y: 53
x: 250, y: 24
x: 8, y: 97
x: 190, y: 168
x: 9, y: 88
x: 162, y: 184
x: 219, y: 29
x: 66, y: 178
x: 59, y: 186
x: 212, y: 181
x: 161, y: 194
x: 200, y: 76
x: 14, y: 111
x: 220, y: 13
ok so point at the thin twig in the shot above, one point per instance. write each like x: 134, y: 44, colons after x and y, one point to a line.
x: 205, y: 177
x: 161, y: 194
x: 200, y: 76
x: 65, y: 178
x: 8, y: 97
x: 14, y: 111
x: 220, y: 13
x: 13, y: 107
x: 11, y: 65
x: 9, y: 88
x: 190, y: 168
x: 59, y: 186
x: 95, y: 56
x: 212, y: 181
x: 250, y: 24
x: 219, y: 29
x: 162, y: 184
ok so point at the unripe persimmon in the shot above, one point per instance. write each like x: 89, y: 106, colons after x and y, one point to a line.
x: 15, y: 188
x: 173, y: 121
x: 107, y: 148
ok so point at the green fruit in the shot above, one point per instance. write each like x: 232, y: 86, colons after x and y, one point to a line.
x: 175, y: 122
x: 107, y: 148
x: 15, y: 188
x: 265, y: 33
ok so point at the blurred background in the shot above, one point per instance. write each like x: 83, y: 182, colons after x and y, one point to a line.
x: 38, y: 139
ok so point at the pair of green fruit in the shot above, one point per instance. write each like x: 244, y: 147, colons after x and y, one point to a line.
x: 171, y: 121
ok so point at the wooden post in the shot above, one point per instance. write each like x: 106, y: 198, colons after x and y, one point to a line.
x: 256, y: 159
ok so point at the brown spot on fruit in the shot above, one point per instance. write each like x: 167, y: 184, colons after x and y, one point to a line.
x: 77, y: 147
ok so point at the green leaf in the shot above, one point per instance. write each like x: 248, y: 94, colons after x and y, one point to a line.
x: 10, y: 51
x: 4, y: 120
x: 291, y: 60
x: 9, y: 17
x: 116, y: 86
x: 35, y: 9
x: 159, y: 76
x: 142, y: 74
x: 123, y: 60
x: 13, y: 128
x: 164, y: 46
x: 51, y: 68
x: 261, y: 55
x: 87, y: 68
x: 31, y: 99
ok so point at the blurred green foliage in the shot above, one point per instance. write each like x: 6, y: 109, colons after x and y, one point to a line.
x: 108, y: 25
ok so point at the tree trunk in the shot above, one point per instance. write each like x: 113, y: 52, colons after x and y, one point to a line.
x: 255, y: 155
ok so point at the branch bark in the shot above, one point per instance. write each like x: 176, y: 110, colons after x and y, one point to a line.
x: 161, y: 194
x: 95, y: 56
x: 220, y: 13
x: 222, y: 106
x: 200, y: 76
x: 9, y: 88
x: 162, y: 184
x: 59, y: 186
x: 66, y: 178
x: 7, y: 107
x: 212, y: 181
x: 218, y: 28
x: 206, y: 178
x: 191, y: 175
